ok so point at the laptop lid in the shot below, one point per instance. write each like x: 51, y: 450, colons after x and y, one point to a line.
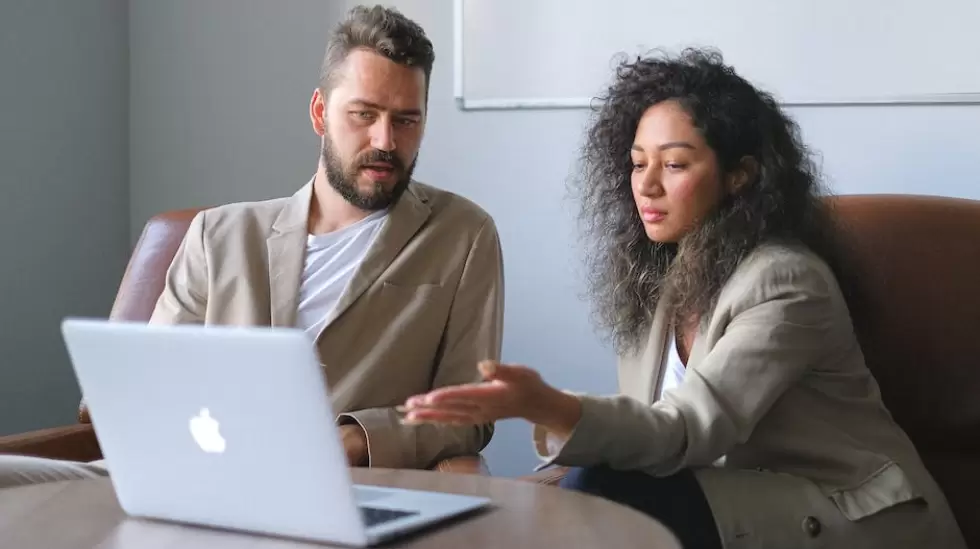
x: 221, y: 426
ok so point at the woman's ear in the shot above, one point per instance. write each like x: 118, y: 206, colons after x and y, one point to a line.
x: 744, y: 174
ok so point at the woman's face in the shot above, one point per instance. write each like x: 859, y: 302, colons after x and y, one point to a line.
x: 676, y: 179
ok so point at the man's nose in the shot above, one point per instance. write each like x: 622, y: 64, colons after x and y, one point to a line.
x: 383, y: 135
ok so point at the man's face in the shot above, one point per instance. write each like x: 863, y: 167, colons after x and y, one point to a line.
x: 372, y: 124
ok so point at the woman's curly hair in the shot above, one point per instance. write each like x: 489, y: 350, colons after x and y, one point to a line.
x: 629, y: 273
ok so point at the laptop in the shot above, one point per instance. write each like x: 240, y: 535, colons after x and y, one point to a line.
x: 232, y: 427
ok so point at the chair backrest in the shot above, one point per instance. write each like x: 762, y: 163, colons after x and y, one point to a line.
x: 144, y: 279
x: 917, y: 262
x: 146, y: 272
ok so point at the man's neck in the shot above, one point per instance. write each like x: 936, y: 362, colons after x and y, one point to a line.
x: 329, y: 211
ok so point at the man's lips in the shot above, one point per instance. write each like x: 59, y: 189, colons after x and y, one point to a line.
x: 378, y: 171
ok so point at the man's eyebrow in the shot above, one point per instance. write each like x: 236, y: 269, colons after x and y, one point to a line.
x: 402, y: 112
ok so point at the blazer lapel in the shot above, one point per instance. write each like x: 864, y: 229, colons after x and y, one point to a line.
x: 287, y: 251
x: 640, y: 374
x: 698, y: 347
x: 405, y: 219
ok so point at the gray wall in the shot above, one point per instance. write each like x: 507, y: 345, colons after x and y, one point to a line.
x: 219, y: 95
x: 219, y: 99
x: 64, y: 198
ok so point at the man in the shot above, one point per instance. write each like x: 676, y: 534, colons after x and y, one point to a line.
x: 399, y: 284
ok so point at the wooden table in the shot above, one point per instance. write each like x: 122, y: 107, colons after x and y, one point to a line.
x: 85, y: 515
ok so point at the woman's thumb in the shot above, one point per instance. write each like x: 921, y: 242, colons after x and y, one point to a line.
x: 491, y: 370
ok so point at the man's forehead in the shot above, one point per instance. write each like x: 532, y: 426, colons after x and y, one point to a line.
x: 369, y: 77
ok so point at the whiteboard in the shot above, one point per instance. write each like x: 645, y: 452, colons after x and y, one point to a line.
x: 560, y: 53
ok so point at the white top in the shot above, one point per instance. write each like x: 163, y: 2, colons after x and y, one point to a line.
x: 330, y: 262
x: 673, y: 368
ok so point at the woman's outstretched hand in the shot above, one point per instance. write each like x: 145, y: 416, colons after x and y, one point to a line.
x: 508, y: 391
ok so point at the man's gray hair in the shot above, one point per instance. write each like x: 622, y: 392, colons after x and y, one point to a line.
x: 384, y: 31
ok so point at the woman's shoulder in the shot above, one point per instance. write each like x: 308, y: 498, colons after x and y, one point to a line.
x: 777, y: 267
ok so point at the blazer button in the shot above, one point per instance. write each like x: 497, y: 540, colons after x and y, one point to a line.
x: 811, y: 526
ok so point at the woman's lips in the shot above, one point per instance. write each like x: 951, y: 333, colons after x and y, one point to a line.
x: 652, y: 215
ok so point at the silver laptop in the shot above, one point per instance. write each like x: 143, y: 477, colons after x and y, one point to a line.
x: 233, y: 428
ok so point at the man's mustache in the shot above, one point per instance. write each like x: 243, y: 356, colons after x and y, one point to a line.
x: 377, y: 156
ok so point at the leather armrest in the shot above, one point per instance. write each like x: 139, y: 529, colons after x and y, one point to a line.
x: 71, y: 442
x: 78, y: 443
x: 550, y: 476
x: 471, y: 465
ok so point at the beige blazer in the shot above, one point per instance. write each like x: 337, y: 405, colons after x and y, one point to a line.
x: 422, y: 309
x: 778, y: 416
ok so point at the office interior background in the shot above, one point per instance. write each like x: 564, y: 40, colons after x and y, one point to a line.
x: 112, y: 111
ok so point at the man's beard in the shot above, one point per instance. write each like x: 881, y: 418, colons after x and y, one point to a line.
x: 344, y: 181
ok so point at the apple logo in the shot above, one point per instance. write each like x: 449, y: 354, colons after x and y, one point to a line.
x: 204, y: 429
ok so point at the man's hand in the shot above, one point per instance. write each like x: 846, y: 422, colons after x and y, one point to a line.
x: 355, y: 444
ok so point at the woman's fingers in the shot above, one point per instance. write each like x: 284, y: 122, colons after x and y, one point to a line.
x: 441, y: 415
x: 488, y: 392
x: 460, y: 406
x: 449, y: 392
x: 443, y: 410
x: 482, y: 393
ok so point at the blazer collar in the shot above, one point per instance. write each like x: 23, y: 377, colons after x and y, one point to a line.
x: 287, y: 250
x: 656, y: 351
x: 642, y: 372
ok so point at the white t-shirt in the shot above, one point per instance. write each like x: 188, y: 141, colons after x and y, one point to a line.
x: 331, y: 260
x: 673, y: 369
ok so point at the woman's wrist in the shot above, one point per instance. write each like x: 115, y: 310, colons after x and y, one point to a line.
x: 559, y: 412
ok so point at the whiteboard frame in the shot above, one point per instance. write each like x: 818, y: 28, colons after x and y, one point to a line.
x: 563, y: 103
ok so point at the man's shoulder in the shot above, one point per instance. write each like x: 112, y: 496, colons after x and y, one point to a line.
x: 259, y: 214
x: 451, y: 208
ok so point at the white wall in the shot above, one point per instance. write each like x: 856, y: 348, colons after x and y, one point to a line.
x: 64, y: 206
x: 219, y: 98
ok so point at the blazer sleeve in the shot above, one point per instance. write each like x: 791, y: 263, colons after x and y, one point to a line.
x: 778, y: 329
x: 185, y: 292
x: 474, y: 332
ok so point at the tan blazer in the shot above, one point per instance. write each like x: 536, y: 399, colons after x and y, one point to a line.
x: 778, y: 416
x: 420, y: 312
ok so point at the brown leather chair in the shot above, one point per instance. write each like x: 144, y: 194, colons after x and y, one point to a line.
x: 141, y: 285
x: 917, y: 266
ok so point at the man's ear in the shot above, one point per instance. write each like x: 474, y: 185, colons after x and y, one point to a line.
x: 317, y: 107
x: 745, y: 173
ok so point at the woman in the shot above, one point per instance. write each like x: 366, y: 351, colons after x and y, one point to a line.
x: 748, y: 417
